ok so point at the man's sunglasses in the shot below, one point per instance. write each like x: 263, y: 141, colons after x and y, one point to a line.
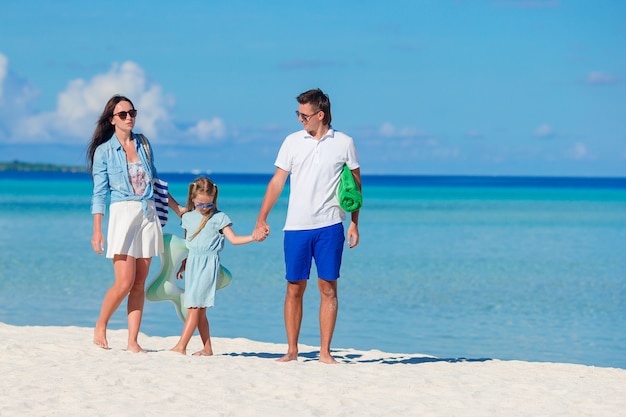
x: 306, y: 117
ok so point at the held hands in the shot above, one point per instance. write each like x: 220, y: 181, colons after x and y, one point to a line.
x: 261, y: 231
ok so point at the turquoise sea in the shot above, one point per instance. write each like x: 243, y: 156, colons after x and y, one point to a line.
x: 456, y: 267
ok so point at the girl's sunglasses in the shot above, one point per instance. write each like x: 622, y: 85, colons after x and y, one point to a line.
x: 123, y: 114
x: 204, y: 206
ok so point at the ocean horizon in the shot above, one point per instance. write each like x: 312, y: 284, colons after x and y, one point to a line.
x: 371, y: 179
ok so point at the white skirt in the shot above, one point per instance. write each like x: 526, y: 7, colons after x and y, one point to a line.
x: 131, y: 233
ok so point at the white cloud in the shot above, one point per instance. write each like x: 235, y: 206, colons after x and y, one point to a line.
x: 389, y: 130
x: 475, y: 134
x: 4, y: 69
x: 579, y: 152
x: 81, y: 103
x: 545, y: 131
x: 208, y: 129
x: 601, y: 78
x: 16, y: 96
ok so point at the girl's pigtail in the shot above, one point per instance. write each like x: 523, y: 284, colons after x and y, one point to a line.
x: 191, y: 195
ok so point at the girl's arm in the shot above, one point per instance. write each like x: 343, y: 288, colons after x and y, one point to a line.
x: 234, y: 239
x: 183, y: 265
x: 173, y: 204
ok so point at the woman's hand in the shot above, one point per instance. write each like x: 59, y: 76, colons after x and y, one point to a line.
x: 97, y: 242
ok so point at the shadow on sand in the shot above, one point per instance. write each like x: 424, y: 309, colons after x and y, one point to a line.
x: 352, y: 358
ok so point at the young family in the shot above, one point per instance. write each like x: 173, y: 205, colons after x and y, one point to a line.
x: 123, y: 171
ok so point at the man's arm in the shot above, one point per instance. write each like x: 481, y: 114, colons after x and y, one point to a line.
x: 274, y: 190
x: 353, y: 229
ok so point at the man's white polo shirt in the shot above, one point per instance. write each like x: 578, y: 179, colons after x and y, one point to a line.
x: 315, y: 170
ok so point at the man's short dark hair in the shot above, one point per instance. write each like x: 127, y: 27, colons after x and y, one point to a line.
x: 319, y: 100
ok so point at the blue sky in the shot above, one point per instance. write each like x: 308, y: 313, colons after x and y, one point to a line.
x: 425, y: 87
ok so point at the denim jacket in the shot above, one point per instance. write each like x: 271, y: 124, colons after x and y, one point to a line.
x: 110, y: 174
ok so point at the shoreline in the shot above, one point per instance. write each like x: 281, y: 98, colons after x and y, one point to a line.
x: 58, y: 371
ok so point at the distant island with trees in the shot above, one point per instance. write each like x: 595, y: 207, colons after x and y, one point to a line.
x: 29, y: 166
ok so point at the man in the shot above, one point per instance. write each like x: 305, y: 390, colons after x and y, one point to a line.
x: 314, y: 157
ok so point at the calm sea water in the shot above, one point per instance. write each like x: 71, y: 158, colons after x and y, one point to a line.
x: 456, y: 267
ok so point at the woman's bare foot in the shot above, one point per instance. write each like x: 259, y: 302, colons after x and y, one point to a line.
x: 100, y: 338
x: 203, y: 352
x: 135, y: 348
x: 178, y: 349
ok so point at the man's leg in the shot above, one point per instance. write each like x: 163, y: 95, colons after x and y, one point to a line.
x: 327, y: 252
x: 293, y: 317
x: 329, y: 305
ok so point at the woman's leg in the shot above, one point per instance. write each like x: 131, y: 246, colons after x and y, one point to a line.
x: 124, y: 270
x: 136, y: 299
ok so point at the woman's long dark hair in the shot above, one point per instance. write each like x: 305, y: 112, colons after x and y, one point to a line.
x: 104, y: 128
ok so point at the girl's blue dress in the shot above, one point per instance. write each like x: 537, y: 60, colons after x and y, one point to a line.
x: 203, y: 261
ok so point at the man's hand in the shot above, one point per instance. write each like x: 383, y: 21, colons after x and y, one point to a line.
x: 261, y: 231
x: 353, y: 235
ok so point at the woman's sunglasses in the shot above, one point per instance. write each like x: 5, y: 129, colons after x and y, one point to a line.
x: 123, y: 114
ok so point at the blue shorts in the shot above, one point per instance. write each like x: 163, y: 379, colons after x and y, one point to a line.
x: 325, y: 245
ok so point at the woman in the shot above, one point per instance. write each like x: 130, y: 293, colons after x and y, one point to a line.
x: 122, y: 169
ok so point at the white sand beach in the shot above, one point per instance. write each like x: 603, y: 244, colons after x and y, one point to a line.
x: 57, y: 371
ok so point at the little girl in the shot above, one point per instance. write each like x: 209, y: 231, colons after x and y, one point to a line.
x: 205, y: 228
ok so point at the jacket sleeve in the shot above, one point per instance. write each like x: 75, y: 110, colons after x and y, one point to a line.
x: 100, y: 183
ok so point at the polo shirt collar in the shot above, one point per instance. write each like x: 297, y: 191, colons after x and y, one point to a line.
x: 329, y: 134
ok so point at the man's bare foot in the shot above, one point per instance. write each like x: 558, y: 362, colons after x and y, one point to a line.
x: 135, y: 348
x: 328, y: 359
x: 180, y: 350
x: 203, y: 352
x: 288, y: 357
x: 100, y: 338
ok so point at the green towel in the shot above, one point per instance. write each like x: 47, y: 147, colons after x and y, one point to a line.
x: 350, y: 198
